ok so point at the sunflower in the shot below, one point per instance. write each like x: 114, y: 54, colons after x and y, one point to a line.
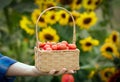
x: 109, y: 50
x: 50, y: 17
x: 106, y: 73
x: 27, y: 25
x: 89, y: 4
x: 48, y: 4
x: 35, y: 15
x: 76, y: 4
x: 97, y: 3
x: 86, y: 20
x: 41, y: 2
x: 65, y: 2
x: 115, y: 77
x: 114, y: 38
x: 75, y: 14
x: 88, y: 43
x: 63, y: 17
x: 48, y: 34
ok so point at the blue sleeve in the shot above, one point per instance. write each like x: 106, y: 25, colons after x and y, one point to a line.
x: 0, y: 55
x: 5, y: 63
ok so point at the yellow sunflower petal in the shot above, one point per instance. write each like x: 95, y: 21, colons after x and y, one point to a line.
x: 109, y: 50
x: 87, y: 20
x: 48, y: 4
x: 114, y: 38
x: 76, y: 4
x: 50, y: 17
x: 26, y: 25
x: 95, y: 42
x: 62, y: 16
x: 76, y: 15
x: 34, y: 17
x: 106, y: 73
x: 88, y: 43
x: 48, y: 34
x: 89, y: 4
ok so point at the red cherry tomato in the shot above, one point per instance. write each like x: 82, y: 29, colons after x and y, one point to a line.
x: 65, y: 42
x: 67, y: 78
x: 41, y: 45
x: 72, y: 46
x: 61, y: 46
x: 54, y: 47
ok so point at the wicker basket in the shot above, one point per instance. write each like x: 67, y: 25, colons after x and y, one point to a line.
x: 46, y: 60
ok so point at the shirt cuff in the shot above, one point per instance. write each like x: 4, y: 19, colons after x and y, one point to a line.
x: 5, y: 63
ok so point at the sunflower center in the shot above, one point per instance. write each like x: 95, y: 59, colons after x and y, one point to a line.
x: 87, y: 20
x: 53, y: 17
x: 117, y: 79
x: 108, y: 74
x: 114, y: 38
x: 63, y: 15
x: 48, y: 37
x: 89, y: 2
x: 88, y: 44
x: 109, y: 49
x: 66, y: 2
x: 97, y: 2
x: 70, y: 19
x: 49, y: 5
x: 41, y: 19
x: 79, y: 2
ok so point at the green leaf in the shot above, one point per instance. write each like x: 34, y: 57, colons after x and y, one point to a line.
x: 65, y: 32
x: 99, y: 34
x: 55, y: 79
x: 83, y: 34
x: 44, y: 79
x: 4, y: 3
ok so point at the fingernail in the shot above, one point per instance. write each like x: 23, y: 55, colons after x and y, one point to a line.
x: 72, y: 71
x: 64, y: 69
x: 52, y: 71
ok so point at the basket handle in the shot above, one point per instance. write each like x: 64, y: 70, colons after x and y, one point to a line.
x: 74, y: 27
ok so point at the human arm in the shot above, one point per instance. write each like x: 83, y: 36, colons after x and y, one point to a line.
x: 10, y: 67
x: 5, y: 63
x: 21, y: 69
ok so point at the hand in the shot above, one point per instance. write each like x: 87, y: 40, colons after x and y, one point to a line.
x: 51, y: 72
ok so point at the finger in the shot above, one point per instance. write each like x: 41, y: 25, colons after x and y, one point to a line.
x: 70, y: 71
x: 52, y: 72
x: 61, y: 71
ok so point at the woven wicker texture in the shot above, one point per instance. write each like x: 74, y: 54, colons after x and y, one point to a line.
x: 46, y: 60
